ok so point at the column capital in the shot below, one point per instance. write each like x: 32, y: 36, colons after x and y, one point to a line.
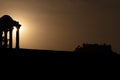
x: 18, y: 27
x: 11, y: 28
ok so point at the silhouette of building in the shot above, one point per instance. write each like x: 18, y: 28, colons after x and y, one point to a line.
x: 6, y: 26
x: 103, y: 48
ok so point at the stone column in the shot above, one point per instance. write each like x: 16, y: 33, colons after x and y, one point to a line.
x: 0, y: 38
x: 5, y: 41
x: 10, y: 40
x: 17, y: 38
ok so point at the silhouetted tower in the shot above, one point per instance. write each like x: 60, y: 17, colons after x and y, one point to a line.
x: 6, y: 25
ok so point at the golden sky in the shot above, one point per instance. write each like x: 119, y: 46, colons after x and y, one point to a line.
x: 64, y: 24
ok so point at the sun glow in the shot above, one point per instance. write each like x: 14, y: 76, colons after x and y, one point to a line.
x: 15, y: 29
x: 23, y: 31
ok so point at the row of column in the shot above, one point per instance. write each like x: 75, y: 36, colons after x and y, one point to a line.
x: 5, y: 41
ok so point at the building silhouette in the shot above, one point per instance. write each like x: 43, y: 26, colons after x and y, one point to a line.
x: 6, y: 27
x: 94, y: 48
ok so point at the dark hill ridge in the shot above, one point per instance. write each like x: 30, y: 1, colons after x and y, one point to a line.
x: 31, y: 56
x: 35, y: 56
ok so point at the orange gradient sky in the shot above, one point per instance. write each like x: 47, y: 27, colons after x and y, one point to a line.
x: 64, y: 24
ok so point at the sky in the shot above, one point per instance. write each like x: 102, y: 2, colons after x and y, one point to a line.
x: 65, y: 24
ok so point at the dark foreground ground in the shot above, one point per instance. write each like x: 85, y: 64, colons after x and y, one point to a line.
x: 28, y: 56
